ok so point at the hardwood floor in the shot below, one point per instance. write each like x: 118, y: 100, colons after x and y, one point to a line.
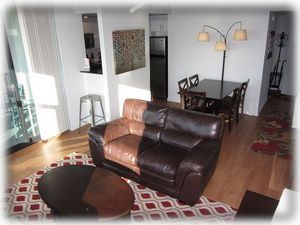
x: 43, y: 153
x: 239, y: 168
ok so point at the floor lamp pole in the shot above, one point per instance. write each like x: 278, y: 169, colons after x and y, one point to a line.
x: 223, y: 66
x: 222, y: 79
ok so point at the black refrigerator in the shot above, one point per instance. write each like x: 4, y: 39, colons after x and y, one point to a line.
x: 159, y: 67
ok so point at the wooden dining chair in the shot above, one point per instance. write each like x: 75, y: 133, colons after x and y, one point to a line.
x: 228, y: 110
x: 194, y: 80
x: 242, y: 98
x: 183, y: 86
x: 198, y: 102
x: 195, y: 101
x: 209, y: 104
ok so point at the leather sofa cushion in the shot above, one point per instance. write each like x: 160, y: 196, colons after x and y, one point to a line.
x: 146, y: 112
x: 127, y: 148
x: 156, y: 178
x: 179, y: 139
x: 142, y: 129
x: 109, y: 131
x: 194, y: 124
x: 161, y: 159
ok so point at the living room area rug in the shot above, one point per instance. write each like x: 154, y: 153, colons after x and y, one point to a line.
x: 275, y: 136
x: 23, y: 202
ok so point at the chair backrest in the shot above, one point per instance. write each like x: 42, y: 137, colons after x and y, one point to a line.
x: 194, y: 80
x: 193, y: 99
x: 183, y: 84
x: 236, y: 98
x: 243, y: 91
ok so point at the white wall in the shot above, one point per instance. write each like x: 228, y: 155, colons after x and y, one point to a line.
x: 72, y: 50
x: 71, y: 46
x: 113, y: 88
x: 186, y: 55
x: 244, y: 59
x: 132, y: 84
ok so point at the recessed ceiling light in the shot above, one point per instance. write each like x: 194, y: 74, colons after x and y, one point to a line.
x: 85, y: 17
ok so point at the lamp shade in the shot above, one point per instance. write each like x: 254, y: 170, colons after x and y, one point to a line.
x: 240, y: 35
x: 220, y: 46
x: 203, y: 36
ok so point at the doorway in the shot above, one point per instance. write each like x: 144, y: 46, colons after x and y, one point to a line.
x: 279, y: 60
x: 158, y: 26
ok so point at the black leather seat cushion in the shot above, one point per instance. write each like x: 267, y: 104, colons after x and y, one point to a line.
x: 162, y: 159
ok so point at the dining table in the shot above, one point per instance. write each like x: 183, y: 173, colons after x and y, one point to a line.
x: 215, y: 90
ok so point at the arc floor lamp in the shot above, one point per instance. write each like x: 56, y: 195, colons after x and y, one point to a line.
x: 221, y: 45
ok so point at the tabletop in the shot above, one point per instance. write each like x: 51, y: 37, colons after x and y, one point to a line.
x: 215, y: 89
x: 76, y: 191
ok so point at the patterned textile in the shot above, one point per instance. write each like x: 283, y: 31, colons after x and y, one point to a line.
x: 274, y: 136
x: 23, y: 202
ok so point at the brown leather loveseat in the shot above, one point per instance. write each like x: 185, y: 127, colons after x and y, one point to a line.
x: 170, y: 150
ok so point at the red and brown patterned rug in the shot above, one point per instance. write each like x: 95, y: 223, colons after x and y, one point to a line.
x: 275, y: 136
x: 23, y: 202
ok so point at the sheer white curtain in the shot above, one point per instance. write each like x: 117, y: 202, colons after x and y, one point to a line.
x: 41, y: 46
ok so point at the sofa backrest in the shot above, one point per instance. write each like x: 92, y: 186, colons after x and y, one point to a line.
x: 187, y: 128
x: 144, y: 118
x: 171, y: 125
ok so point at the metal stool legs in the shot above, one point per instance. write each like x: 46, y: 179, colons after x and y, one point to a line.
x: 92, y: 113
x: 92, y: 99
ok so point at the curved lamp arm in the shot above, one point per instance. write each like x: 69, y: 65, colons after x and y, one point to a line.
x: 224, y: 36
x: 238, y: 22
x: 215, y: 30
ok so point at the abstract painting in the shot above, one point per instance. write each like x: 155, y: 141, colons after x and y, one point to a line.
x: 129, y: 50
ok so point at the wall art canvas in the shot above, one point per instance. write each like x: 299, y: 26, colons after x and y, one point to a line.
x: 128, y: 49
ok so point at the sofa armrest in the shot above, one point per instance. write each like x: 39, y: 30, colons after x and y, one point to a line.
x: 107, y: 132
x: 202, y: 159
x: 104, y: 133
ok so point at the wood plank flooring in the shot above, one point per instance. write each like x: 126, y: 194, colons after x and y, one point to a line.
x: 238, y: 169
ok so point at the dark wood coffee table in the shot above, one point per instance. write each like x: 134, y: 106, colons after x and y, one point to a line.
x: 255, y: 205
x: 77, y: 191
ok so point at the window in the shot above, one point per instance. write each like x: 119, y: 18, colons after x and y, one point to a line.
x: 92, y: 42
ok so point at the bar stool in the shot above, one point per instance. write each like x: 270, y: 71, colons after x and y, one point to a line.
x: 92, y: 99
